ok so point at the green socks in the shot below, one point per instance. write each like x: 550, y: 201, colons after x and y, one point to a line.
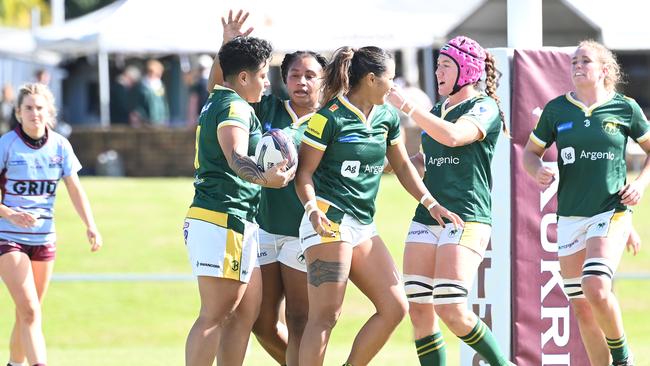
x: 431, y: 350
x: 483, y: 342
x: 618, y: 348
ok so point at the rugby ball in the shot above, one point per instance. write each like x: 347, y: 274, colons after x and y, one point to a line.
x: 275, y: 146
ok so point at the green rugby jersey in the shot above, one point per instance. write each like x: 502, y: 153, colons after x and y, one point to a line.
x: 216, y: 186
x: 354, y: 151
x: 591, y: 143
x: 275, y: 113
x: 460, y: 177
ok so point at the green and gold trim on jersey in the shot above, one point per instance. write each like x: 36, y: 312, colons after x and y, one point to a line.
x: 296, y: 121
x: 362, y: 117
x: 444, y: 110
x: 588, y: 110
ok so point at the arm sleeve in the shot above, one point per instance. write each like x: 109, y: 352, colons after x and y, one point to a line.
x: 319, y: 132
x: 394, y: 131
x: 484, y: 114
x: 238, y: 113
x: 639, y: 126
x: 70, y: 163
x: 543, y: 134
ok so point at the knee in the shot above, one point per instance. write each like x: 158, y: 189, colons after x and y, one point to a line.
x: 451, y: 314
x: 265, y: 327
x: 595, y: 289
x: 28, y: 313
x: 296, y: 320
x: 325, y: 316
x: 397, y: 311
x: 420, y: 313
x: 582, y: 310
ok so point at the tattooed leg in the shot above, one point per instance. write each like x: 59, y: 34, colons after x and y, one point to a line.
x: 322, y: 271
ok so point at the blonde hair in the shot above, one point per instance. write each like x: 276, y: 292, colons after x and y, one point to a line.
x: 608, y: 60
x: 37, y: 89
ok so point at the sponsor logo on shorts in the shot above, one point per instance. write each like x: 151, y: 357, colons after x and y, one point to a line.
x: 262, y: 254
x: 418, y: 232
x: 203, y: 264
x: 244, y: 272
x: 453, y: 233
x: 17, y: 162
x: 234, y: 265
x: 567, y: 246
x: 601, y: 225
x: 300, y: 258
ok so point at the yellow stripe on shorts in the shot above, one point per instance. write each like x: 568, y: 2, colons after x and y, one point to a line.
x: 619, y: 225
x: 232, y: 257
x: 474, y: 235
x: 324, y: 206
x: 214, y: 217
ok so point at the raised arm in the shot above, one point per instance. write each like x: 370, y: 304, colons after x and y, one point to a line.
x: 461, y: 133
x: 232, y: 27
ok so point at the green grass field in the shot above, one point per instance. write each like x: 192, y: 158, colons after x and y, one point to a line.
x: 145, y: 323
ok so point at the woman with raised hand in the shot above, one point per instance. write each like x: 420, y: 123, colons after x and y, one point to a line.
x: 219, y: 230
x: 281, y: 259
x: 590, y: 126
x: 33, y: 160
x: 440, y: 263
x: 340, y: 164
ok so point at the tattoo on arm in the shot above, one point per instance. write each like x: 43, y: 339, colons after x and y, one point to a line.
x: 321, y: 272
x: 246, y: 168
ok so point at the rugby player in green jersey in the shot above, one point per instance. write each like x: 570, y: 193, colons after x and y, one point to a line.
x: 220, y: 235
x: 591, y: 126
x: 280, y: 256
x: 440, y: 263
x: 341, y: 159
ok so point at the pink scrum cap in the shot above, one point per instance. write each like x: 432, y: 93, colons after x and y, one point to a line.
x: 469, y: 56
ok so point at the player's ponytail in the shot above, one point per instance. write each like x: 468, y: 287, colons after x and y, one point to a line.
x: 336, y: 80
x: 349, y: 66
x: 491, y: 83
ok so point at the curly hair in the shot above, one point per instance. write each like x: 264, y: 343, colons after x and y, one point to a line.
x: 243, y: 54
x: 290, y: 58
x: 608, y: 60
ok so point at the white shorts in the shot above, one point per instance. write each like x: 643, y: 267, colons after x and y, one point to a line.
x: 220, y: 245
x: 473, y: 235
x: 349, y: 230
x: 574, y: 231
x: 281, y: 248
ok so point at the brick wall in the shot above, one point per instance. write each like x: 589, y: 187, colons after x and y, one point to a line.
x: 145, y: 152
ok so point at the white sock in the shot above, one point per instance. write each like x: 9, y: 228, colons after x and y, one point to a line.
x: 14, y: 363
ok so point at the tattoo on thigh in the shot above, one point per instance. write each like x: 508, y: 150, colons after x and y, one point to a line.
x: 320, y: 272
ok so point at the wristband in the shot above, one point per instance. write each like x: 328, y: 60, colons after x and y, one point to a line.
x: 424, y: 198
x: 401, y: 108
x: 310, y: 207
x: 432, y: 205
